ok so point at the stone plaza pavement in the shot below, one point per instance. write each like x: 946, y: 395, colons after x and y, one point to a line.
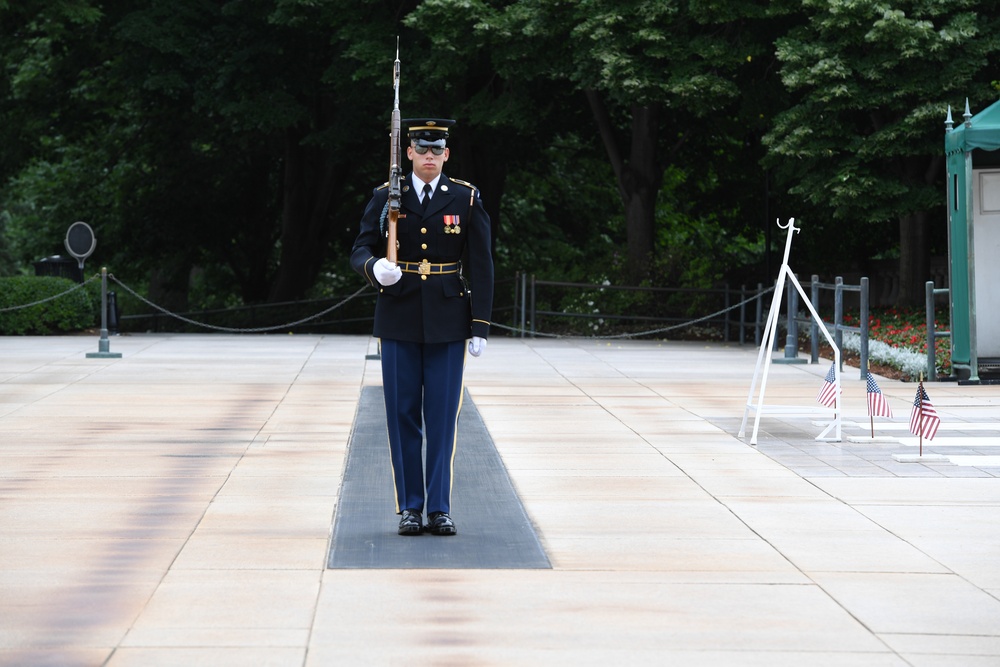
x: 174, y: 507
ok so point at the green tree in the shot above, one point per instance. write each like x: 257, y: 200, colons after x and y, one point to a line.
x: 194, y: 134
x: 228, y: 147
x: 510, y: 122
x: 872, y: 82
x: 41, y: 116
x: 648, y: 70
x: 269, y: 115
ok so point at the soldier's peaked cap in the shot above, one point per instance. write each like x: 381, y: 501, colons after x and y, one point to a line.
x: 428, y: 131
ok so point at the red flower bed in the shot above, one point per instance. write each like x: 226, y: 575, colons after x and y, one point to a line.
x: 907, y: 329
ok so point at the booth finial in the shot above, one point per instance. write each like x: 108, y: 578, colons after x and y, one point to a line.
x: 968, y: 114
x: 948, y: 122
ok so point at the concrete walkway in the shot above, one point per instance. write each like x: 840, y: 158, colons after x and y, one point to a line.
x: 174, y: 507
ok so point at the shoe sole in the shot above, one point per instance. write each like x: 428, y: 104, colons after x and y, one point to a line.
x: 411, y: 530
x: 444, y: 531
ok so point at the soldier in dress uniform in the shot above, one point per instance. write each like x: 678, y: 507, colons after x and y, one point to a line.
x: 436, y: 297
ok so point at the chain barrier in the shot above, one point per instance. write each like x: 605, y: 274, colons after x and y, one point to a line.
x: 53, y: 297
x: 515, y: 330
x: 233, y: 329
x: 637, y: 334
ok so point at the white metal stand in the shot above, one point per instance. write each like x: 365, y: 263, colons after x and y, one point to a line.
x: 764, y: 360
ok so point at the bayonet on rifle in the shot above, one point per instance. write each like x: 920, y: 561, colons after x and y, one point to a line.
x: 395, y: 171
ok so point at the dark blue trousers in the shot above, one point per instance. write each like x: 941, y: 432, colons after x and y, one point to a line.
x: 422, y: 383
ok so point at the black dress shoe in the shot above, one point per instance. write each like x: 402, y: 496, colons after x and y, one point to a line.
x: 411, y: 523
x: 440, y: 523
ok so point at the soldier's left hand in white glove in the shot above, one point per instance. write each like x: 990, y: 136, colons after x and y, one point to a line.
x: 477, y: 346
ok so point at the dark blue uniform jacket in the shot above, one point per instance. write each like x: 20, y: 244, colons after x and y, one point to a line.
x: 454, y: 228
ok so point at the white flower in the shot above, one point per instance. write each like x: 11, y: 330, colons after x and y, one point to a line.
x: 909, y: 362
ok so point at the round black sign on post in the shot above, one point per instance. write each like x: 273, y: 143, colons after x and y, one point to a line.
x: 80, y: 241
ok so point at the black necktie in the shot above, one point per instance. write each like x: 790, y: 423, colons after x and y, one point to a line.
x: 427, y: 196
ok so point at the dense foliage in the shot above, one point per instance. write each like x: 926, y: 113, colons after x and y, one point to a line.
x: 863, y: 136
x: 60, y: 305
x: 223, y: 151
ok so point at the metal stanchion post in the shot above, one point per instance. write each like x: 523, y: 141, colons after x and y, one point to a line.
x: 813, y: 327
x: 758, y: 315
x: 792, y: 331
x: 524, y: 296
x: 104, y: 344
x: 931, y: 346
x: 863, y: 325
x: 838, y: 314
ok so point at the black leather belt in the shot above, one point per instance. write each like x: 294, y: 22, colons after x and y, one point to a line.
x: 425, y: 268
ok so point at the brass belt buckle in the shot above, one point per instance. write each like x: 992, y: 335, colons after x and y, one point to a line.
x: 424, y: 268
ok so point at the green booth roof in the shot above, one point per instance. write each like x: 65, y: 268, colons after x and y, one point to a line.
x: 984, y: 133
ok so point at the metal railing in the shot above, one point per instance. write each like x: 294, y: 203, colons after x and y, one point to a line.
x: 793, y: 319
x: 673, y: 308
x: 839, y: 288
x: 932, y: 333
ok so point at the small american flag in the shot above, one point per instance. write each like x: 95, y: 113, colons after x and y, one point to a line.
x: 877, y: 405
x: 828, y: 394
x: 923, y: 418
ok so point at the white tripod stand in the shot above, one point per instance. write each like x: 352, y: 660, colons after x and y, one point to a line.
x: 764, y: 359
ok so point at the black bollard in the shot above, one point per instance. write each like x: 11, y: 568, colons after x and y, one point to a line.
x: 112, y: 313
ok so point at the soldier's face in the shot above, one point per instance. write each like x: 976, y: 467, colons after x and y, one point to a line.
x: 427, y: 166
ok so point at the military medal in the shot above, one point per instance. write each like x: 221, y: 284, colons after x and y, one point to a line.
x: 452, y: 224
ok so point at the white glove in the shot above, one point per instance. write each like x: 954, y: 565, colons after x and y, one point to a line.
x: 477, y: 346
x: 387, y: 273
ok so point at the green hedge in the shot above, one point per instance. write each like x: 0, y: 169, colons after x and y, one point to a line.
x: 75, y: 311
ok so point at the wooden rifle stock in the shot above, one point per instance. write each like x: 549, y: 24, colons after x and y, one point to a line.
x: 390, y: 240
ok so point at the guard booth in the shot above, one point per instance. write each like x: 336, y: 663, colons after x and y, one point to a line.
x: 973, y: 157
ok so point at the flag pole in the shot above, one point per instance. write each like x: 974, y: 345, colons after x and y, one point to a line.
x: 920, y: 412
x: 871, y: 417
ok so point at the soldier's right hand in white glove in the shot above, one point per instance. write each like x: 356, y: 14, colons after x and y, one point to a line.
x: 386, y: 273
x: 477, y: 346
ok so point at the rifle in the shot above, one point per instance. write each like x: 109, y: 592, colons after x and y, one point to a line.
x: 395, y: 172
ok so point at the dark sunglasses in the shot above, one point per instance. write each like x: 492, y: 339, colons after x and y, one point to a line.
x: 422, y: 150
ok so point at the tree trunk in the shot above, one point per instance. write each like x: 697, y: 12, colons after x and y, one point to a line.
x: 914, y: 263
x: 639, y: 178
x: 478, y: 158
x: 914, y: 234
x: 251, y: 256
x: 168, y: 286
x: 306, y: 225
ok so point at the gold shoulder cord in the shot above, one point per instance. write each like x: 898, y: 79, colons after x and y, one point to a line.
x: 472, y: 194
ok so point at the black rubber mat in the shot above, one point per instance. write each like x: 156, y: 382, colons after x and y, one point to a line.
x: 493, y: 529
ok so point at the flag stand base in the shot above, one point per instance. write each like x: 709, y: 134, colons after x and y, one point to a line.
x: 920, y: 458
